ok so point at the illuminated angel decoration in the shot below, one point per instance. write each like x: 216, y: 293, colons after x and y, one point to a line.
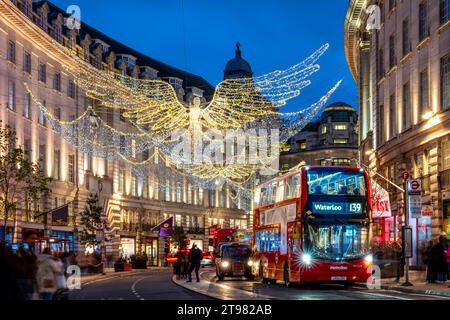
x: 155, y: 104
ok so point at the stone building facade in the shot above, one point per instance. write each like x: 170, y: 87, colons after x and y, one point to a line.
x: 401, y: 63
x: 331, y: 140
x: 27, y: 31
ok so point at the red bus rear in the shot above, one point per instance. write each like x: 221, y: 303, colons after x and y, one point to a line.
x: 313, y: 225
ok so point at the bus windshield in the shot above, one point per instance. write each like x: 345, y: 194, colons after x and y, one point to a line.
x: 336, y: 181
x: 337, y: 242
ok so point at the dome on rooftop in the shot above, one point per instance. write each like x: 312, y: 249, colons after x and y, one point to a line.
x: 238, y: 67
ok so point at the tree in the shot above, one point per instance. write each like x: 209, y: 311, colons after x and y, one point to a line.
x: 179, y: 236
x: 19, y: 177
x: 90, y: 217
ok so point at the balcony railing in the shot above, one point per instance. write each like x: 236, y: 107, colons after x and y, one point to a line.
x: 444, y: 179
x: 195, y: 230
x: 129, y: 227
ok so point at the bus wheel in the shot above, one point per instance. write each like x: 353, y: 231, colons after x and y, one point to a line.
x: 286, y: 279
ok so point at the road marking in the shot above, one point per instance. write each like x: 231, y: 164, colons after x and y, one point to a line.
x: 133, y: 287
x: 385, y: 295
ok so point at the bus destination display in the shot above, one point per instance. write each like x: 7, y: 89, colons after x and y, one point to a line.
x: 337, y: 208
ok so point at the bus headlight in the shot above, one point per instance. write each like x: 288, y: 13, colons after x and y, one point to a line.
x: 225, y: 264
x: 250, y: 263
x: 307, y: 259
x: 368, y: 259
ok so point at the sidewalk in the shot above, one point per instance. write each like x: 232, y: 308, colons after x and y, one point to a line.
x: 420, y: 286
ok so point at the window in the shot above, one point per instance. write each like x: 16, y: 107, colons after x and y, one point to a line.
x: 445, y: 82
x: 268, y: 240
x: 381, y: 71
x: 57, y: 165
x: 27, y: 106
x: 41, y: 119
x: 446, y: 155
x: 423, y: 21
x: 71, y: 89
x: 134, y: 185
x: 424, y: 91
x: 121, y: 181
x: 42, y: 158
x: 27, y: 149
x: 342, y: 162
x: 58, y: 113
x: 42, y: 74
x: 340, y: 127
x: 11, y: 52
x: 179, y: 194
x: 336, y: 181
x: 200, y: 196
x: 57, y: 81
x: 392, y: 55
x: 176, y: 83
x: 71, y: 168
x: 392, y: 117
x: 324, y: 129
x: 340, y: 141
x: 212, y: 198
x: 302, y: 145
x: 11, y: 96
x: 381, y: 129
x: 406, y: 106
x: 168, y: 189
x: 445, y: 11
x: 27, y: 62
x: 406, y: 41
x: 122, y: 145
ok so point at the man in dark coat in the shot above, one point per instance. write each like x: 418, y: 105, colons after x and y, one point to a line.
x: 439, y: 259
x: 195, y: 258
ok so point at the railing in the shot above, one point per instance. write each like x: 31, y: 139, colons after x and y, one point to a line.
x: 148, y: 227
x: 444, y: 179
x: 195, y: 230
x: 131, y: 227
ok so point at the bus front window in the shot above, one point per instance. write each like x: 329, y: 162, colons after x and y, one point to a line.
x: 337, y: 242
x: 333, y: 181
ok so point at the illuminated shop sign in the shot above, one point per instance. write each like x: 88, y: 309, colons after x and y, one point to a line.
x: 337, y: 208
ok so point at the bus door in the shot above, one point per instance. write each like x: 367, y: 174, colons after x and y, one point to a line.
x: 294, y: 252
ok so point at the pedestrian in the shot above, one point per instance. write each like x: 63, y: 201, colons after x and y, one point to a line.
x: 195, y: 258
x: 184, y: 264
x: 178, y: 264
x: 438, y: 254
x: 60, y: 278
x: 7, y: 273
x: 46, y: 275
x: 428, y: 261
x: 26, y: 269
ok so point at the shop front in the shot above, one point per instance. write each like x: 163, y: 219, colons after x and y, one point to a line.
x: 9, y: 234
x: 127, y: 247
x: 446, y: 211
x: 150, y: 247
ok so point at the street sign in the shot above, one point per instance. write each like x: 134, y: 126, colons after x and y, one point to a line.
x: 405, y: 175
x: 415, y: 206
x: 407, y: 242
x: 427, y: 211
x: 415, y: 186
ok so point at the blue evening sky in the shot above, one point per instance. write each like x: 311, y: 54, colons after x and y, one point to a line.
x: 274, y: 34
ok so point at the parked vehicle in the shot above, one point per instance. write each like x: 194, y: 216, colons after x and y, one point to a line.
x: 234, y: 260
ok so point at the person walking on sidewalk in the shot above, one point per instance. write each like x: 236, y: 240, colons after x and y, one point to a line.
x: 46, y: 275
x: 428, y: 261
x: 438, y: 254
x: 195, y: 257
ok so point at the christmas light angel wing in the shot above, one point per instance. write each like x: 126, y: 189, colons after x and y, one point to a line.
x: 242, y: 100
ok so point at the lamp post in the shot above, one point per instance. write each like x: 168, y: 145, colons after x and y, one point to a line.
x: 103, y: 244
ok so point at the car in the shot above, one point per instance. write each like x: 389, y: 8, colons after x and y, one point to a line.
x: 208, y: 259
x: 234, y: 260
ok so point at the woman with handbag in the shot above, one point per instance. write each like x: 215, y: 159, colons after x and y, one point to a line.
x: 46, y: 275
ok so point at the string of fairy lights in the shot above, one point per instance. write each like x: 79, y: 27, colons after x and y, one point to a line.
x: 153, y: 112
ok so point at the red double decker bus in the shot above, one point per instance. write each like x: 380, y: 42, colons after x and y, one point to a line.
x: 313, y: 225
